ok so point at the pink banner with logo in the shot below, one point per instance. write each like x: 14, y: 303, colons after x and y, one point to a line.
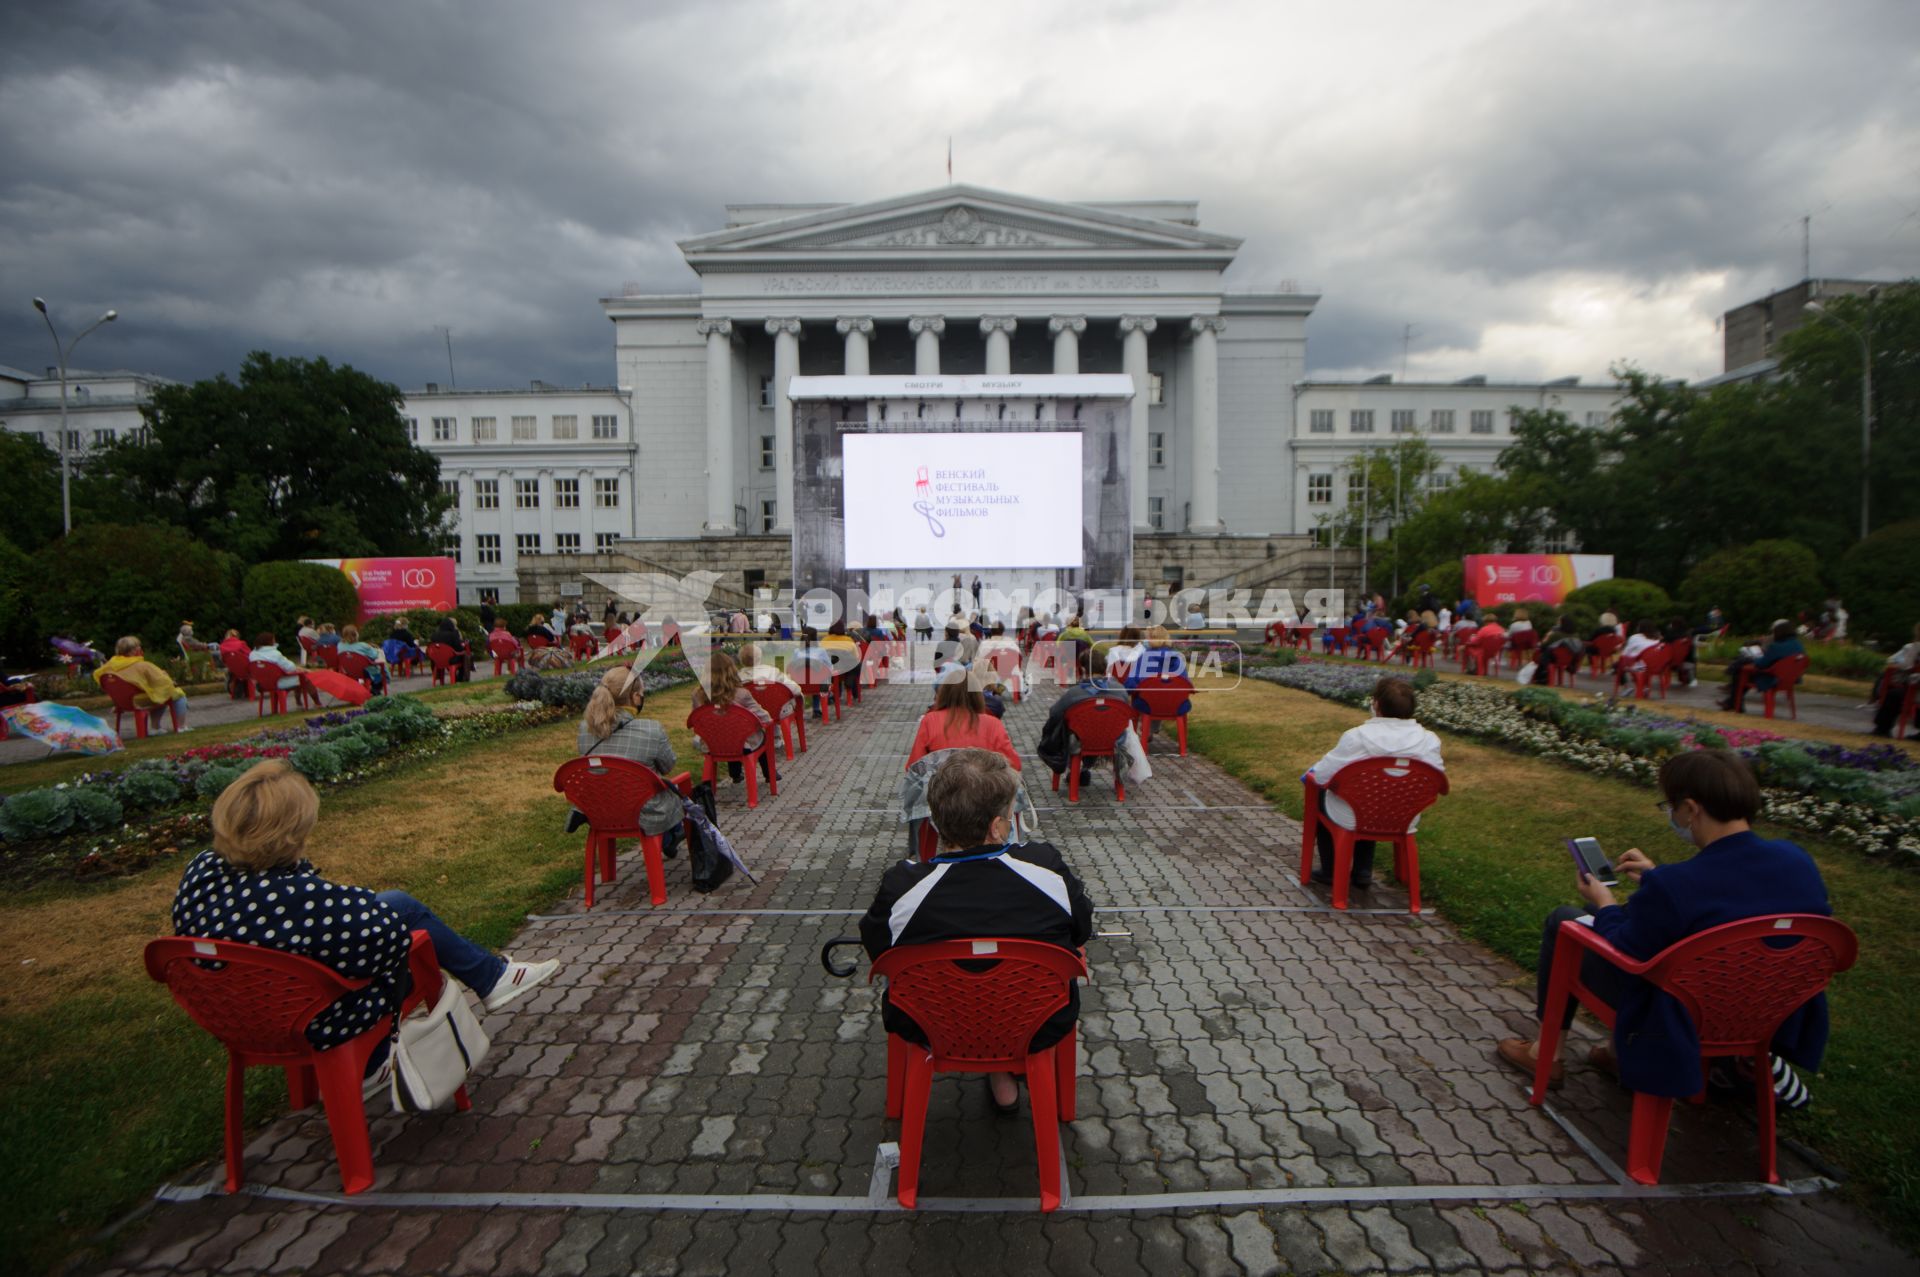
x: 399, y: 585
x: 1532, y: 578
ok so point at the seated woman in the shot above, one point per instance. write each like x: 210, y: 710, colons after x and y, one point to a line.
x: 846, y: 658
x: 449, y: 633
x: 1645, y: 637
x: 266, y: 648
x: 725, y: 687
x: 401, y: 646
x: 538, y: 628
x: 1560, y: 636
x: 959, y: 719
x: 329, y: 636
x: 1057, y: 744
x: 154, y: 688
x: 1786, y: 642
x: 350, y: 645
x: 1900, y: 671
x: 972, y: 889
x: 233, y: 645
x: 612, y: 728
x: 255, y: 886
x: 1711, y: 797
x: 753, y: 670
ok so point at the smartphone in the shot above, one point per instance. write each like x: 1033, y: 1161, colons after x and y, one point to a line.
x: 1589, y: 859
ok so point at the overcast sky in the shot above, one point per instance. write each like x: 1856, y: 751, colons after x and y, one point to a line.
x: 1539, y: 189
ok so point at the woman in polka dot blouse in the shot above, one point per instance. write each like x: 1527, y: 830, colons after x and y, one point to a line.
x: 255, y: 886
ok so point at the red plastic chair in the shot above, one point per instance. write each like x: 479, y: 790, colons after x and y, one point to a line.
x: 355, y: 666
x: 980, y: 1022
x: 266, y: 677
x: 1335, y: 639
x: 505, y: 650
x: 1600, y: 652
x: 1520, y: 647
x: 1375, y: 643
x: 312, y: 649
x: 122, y: 694
x: 259, y: 1004
x: 725, y: 729
x: 610, y: 637
x: 1737, y: 981
x: 813, y: 681
x: 1164, y: 695
x: 442, y: 656
x: 33, y: 698
x: 539, y: 640
x: 1005, y: 664
x: 610, y: 792
x: 1482, y: 656
x: 1655, y: 664
x: 329, y: 654
x: 240, y: 673
x: 1906, y: 710
x: 1561, y: 664
x: 1787, y: 672
x: 774, y: 698
x: 1277, y: 633
x: 581, y: 645
x: 1420, y: 655
x: 1385, y: 794
x: 1679, y: 652
x: 1098, y: 725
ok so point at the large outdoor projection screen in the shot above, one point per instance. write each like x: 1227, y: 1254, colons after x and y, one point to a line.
x: 962, y: 500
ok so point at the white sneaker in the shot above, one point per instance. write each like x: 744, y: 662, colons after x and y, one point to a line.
x: 382, y: 1080
x: 519, y: 978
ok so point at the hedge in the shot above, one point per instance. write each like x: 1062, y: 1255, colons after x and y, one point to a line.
x: 106, y: 580
x: 276, y: 595
x: 1879, y: 581
x: 1755, y: 585
x: 1630, y: 600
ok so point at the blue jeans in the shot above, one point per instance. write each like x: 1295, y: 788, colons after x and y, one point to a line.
x: 458, y: 956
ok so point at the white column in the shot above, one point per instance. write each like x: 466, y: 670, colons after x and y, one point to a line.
x: 719, y: 335
x: 926, y: 330
x: 856, y: 330
x: 1066, y: 330
x: 544, y: 479
x: 999, y: 331
x: 1206, y: 423
x: 1133, y: 361
x: 786, y: 366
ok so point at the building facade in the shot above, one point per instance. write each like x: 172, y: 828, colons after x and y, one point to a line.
x: 101, y: 406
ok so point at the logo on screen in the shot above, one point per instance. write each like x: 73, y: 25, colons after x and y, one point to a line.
x: 923, y: 505
x: 417, y: 578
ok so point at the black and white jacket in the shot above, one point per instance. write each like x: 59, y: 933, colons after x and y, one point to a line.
x: 1016, y: 893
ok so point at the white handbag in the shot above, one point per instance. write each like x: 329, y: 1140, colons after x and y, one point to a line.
x: 434, y: 1051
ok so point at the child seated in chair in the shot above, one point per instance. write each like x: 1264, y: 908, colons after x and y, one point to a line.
x: 980, y: 886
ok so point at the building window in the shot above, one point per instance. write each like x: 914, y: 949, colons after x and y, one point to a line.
x: 413, y: 429
x: 1157, y: 449
x: 486, y: 494
x: 450, y: 546
x: 1513, y: 420
x: 485, y: 430
x: 566, y: 494
x: 1320, y: 421
x: 1156, y: 389
x: 37, y: 436
x: 606, y: 493
x: 606, y: 427
x: 1439, y: 481
x: 768, y: 510
x: 1401, y: 422
x: 443, y: 430
x: 73, y: 441
x: 103, y: 438
x: 526, y: 543
x: 567, y: 427
x: 1360, y: 421
x: 1157, y: 513
x: 603, y: 542
x: 766, y: 392
x: 1356, y: 484
x: 1481, y: 422
x: 766, y: 452
x: 1595, y: 420
x: 1322, y: 538
x: 451, y: 488
x: 1442, y: 422
x: 526, y: 494
x: 1319, y: 489
x: 486, y: 548
x: 566, y: 543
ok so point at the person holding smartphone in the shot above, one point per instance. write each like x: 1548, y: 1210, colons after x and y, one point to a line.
x: 1710, y: 798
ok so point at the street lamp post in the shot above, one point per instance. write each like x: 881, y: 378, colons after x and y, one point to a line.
x: 1866, y: 404
x: 66, y: 494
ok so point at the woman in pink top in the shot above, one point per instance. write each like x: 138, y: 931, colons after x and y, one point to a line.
x: 959, y: 720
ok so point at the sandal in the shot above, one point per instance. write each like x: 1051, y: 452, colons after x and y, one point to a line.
x: 1517, y: 1053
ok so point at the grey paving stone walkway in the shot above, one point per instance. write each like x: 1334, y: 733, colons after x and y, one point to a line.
x: 1239, y: 1039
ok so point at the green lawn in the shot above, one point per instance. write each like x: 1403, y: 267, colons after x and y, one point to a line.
x: 1492, y: 859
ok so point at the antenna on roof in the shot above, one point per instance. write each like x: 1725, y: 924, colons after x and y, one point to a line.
x: 1406, y: 345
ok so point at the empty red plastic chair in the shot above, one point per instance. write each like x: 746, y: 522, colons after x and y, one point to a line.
x: 1167, y: 697
x: 1738, y: 981
x: 1601, y: 650
x: 355, y: 666
x: 505, y: 651
x: 610, y: 792
x: 581, y: 645
x: 1520, y: 647
x: 1652, y: 671
x: 122, y: 694
x: 980, y: 1022
x: 266, y: 676
x: 442, y: 656
x: 258, y: 1003
x: 774, y: 698
x: 1786, y: 673
x: 726, y: 730
x: 1098, y: 725
x: 1385, y: 795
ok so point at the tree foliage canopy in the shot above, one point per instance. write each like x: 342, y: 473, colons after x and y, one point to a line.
x: 277, y: 593
x: 107, y: 580
x: 1756, y: 585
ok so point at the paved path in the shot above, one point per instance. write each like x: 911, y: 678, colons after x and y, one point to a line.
x: 1334, y: 1070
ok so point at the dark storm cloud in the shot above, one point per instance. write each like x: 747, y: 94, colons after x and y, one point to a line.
x: 1539, y: 188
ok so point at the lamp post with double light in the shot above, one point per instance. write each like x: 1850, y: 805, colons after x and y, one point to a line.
x: 1819, y: 311
x: 62, y: 352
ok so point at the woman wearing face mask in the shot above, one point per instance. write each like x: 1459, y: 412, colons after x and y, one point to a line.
x: 1735, y: 873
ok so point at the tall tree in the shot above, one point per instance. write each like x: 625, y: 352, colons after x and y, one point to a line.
x: 29, y: 491
x: 297, y: 459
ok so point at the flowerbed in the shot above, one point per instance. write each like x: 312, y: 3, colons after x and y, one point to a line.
x: 571, y: 689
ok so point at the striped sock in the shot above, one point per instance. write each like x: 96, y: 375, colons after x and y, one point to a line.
x: 1788, y: 1089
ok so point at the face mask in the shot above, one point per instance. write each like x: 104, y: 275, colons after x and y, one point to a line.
x: 1685, y: 834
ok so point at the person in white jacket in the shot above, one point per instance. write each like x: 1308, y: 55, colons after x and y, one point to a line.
x: 1390, y: 733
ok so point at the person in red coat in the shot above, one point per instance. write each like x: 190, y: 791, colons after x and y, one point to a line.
x: 959, y: 720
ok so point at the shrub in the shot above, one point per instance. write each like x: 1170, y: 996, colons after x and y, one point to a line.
x: 1447, y: 579
x: 38, y: 813
x: 275, y: 595
x: 94, y: 809
x: 1630, y: 600
x: 214, y: 781
x: 1879, y: 581
x: 517, y: 616
x: 18, y: 639
x: 353, y: 747
x: 105, y: 580
x: 375, y: 629
x: 141, y: 790
x: 1755, y: 585
x: 318, y: 761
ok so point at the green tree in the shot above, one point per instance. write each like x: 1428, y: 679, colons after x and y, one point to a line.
x: 296, y: 459
x: 274, y: 594
x: 1756, y: 584
x: 106, y: 580
x: 1630, y: 600
x: 1880, y: 583
x: 29, y: 491
x: 18, y: 641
